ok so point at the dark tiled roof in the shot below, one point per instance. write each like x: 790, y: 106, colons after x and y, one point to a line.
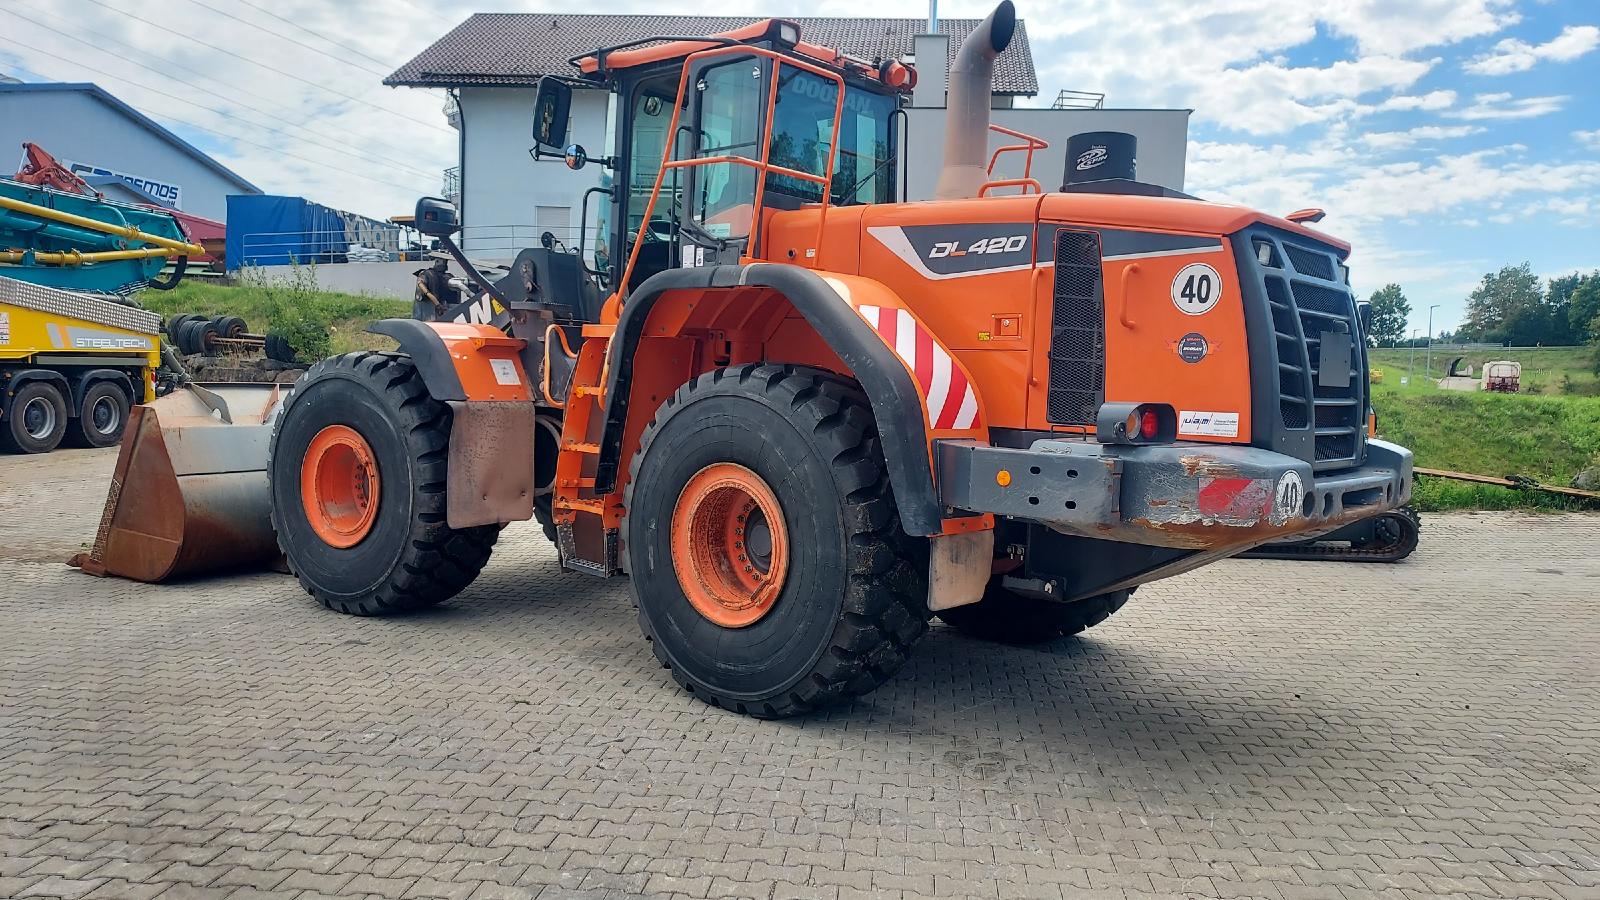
x: 510, y: 49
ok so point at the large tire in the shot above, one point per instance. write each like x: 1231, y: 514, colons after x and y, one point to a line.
x: 102, y: 416
x: 409, y: 558
x: 851, y: 600
x: 36, y: 421
x: 1013, y: 618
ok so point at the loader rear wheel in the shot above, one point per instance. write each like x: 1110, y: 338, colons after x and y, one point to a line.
x: 101, y: 416
x: 1011, y: 618
x: 36, y: 421
x: 358, y: 474
x: 768, y: 563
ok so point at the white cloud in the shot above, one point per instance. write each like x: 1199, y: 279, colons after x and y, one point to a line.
x: 1514, y: 55
x: 1383, y: 26
x: 1590, y: 139
x: 1504, y: 106
x: 1395, y: 140
x: 1431, y: 101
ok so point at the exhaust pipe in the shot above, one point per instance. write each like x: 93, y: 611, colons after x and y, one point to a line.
x: 966, y: 136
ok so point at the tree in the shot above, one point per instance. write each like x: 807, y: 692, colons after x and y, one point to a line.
x: 1390, y: 313
x: 1583, y: 308
x: 1508, y: 306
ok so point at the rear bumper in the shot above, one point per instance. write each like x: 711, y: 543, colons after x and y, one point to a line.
x: 1211, y: 497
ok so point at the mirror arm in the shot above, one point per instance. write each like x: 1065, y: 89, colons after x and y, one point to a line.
x: 472, y: 270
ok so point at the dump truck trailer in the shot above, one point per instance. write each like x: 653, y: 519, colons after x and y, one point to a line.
x: 71, y: 366
x: 803, y: 417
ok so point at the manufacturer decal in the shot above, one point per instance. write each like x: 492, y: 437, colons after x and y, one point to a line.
x: 505, y: 371
x: 938, y: 252
x: 1192, y: 347
x: 166, y: 192
x: 1287, y: 497
x: 1196, y: 289
x: 1091, y: 158
x: 1208, y: 424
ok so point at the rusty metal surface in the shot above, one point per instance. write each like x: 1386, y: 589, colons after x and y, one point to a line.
x: 491, y: 462
x: 1211, y: 497
x: 189, y: 492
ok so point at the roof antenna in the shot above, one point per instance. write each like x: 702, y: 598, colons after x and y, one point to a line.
x: 933, y: 16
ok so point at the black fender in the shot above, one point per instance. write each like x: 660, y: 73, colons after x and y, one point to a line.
x: 889, y: 387
x: 20, y: 377
x: 95, y: 376
x: 427, y: 350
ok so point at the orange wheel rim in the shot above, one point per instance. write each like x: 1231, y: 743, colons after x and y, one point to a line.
x: 730, y: 547
x: 339, y: 486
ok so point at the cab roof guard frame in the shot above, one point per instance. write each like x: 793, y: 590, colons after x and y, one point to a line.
x: 764, y: 166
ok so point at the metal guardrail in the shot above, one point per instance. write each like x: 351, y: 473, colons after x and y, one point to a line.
x: 1079, y: 100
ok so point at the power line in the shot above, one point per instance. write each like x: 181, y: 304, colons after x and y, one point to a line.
x: 232, y: 137
x: 225, y: 114
x: 369, y: 156
x: 295, y: 41
x: 293, y: 24
x: 210, y: 80
x: 322, y: 87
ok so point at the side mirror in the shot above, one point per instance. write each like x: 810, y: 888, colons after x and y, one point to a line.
x: 436, y: 217
x: 1364, y: 313
x: 552, y: 105
x: 576, y: 157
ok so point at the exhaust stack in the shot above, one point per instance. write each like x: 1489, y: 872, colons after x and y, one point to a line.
x: 966, y: 136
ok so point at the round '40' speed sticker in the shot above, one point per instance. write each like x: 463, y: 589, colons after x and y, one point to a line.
x: 1196, y: 289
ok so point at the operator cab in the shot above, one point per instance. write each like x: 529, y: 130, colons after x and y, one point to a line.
x: 707, y: 106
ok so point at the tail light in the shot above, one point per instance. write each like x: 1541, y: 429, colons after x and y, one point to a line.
x: 1136, y: 423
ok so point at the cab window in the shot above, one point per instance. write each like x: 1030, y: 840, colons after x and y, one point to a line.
x: 863, y: 170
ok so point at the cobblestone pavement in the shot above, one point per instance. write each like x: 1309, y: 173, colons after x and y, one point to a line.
x: 1268, y: 729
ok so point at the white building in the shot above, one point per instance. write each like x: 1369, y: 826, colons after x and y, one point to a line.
x: 490, y: 63
x: 97, y: 135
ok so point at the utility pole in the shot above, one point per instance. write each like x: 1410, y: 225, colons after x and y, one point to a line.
x: 1428, y: 362
x: 1411, y: 361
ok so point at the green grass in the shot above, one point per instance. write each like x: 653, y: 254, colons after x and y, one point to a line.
x: 297, y: 310
x: 1547, y: 438
x: 1545, y: 370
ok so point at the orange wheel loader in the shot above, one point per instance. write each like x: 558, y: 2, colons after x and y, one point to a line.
x: 803, y: 417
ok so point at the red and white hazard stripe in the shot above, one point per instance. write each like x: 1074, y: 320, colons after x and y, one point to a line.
x: 951, y: 402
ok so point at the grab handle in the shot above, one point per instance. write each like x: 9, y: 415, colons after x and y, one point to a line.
x: 1128, y: 272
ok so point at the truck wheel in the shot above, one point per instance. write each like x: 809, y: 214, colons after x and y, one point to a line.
x: 101, y: 416
x: 1013, y: 618
x: 36, y: 421
x: 357, y: 472
x: 768, y: 563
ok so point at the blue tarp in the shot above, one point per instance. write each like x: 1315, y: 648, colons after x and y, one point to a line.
x: 271, y: 230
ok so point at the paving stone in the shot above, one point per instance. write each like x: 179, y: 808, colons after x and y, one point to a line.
x: 1252, y: 729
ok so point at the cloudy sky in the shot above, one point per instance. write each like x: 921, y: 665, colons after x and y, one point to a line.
x: 1444, y: 137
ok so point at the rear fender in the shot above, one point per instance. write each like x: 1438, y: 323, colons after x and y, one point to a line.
x: 94, y: 377
x: 477, y: 370
x: 27, y: 376
x: 860, y: 321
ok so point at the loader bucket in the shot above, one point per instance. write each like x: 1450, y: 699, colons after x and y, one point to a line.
x: 189, y: 492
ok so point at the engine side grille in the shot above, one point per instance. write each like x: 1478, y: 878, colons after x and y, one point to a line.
x: 1300, y: 302
x: 1077, y: 331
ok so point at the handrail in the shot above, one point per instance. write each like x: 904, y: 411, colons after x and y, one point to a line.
x: 763, y: 167
x: 1033, y: 143
x: 1023, y: 183
x: 1128, y: 272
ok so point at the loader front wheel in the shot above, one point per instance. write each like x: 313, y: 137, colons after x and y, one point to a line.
x: 358, y: 475
x: 770, y: 571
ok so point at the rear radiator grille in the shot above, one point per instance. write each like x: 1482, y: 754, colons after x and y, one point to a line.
x: 1077, y: 331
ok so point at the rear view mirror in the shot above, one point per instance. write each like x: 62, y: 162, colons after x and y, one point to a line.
x: 552, y: 104
x: 1364, y: 313
x: 436, y: 217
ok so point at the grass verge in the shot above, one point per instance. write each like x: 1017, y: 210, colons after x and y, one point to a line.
x: 316, y: 323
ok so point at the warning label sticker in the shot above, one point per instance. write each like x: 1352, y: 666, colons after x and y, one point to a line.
x: 505, y: 371
x: 1208, y: 424
x: 5, y: 328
